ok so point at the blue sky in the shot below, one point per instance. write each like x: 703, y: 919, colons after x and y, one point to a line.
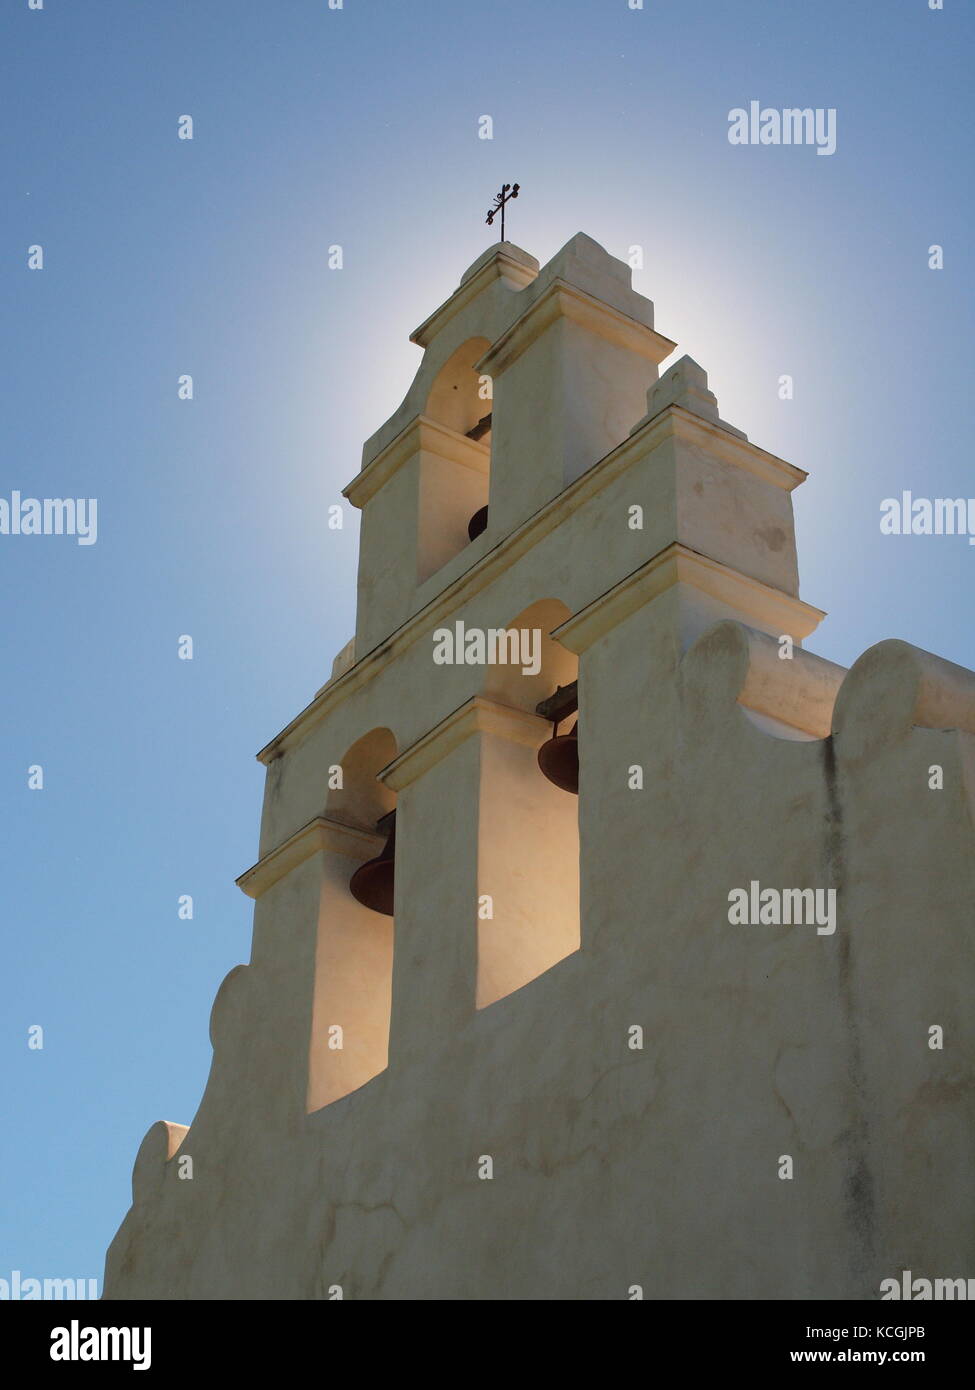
x: 162, y: 257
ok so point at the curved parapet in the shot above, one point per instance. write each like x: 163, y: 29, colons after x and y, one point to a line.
x: 894, y: 687
x: 735, y: 664
x: 229, y: 1004
x: 160, y: 1145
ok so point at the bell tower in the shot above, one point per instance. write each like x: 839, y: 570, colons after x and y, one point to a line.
x: 491, y: 928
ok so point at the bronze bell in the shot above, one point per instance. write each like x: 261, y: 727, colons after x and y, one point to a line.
x: 372, y: 882
x: 477, y: 523
x: 558, y: 758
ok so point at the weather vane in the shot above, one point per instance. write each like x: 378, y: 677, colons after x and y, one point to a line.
x: 508, y: 191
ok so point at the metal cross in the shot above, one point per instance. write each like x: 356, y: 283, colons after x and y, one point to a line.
x: 508, y: 191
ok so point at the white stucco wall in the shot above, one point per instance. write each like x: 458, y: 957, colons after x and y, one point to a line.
x: 613, y: 1166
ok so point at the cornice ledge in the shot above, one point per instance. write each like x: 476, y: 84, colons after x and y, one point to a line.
x: 730, y: 447
x: 560, y: 299
x: 319, y: 834
x: 421, y: 433
x: 476, y: 715
x: 678, y: 564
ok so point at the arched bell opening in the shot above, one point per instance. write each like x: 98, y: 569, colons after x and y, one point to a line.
x: 457, y: 397
x: 355, y: 796
x: 528, y: 831
x: 352, y: 997
x: 455, y: 469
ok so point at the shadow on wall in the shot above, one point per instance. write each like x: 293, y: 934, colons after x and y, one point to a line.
x: 354, y: 951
